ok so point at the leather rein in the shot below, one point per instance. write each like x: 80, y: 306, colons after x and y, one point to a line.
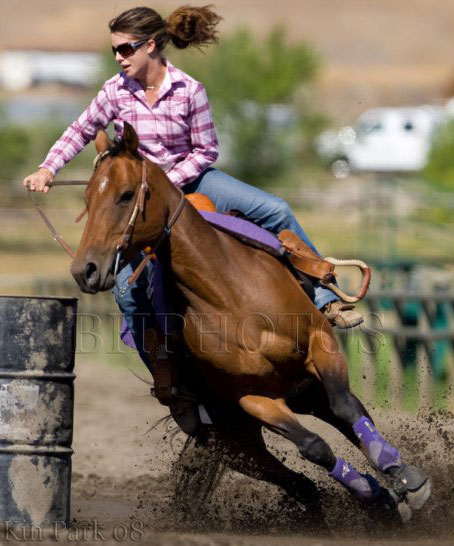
x: 44, y: 216
x: 139, y: 207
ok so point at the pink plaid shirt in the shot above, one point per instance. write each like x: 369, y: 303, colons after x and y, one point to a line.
x: 177, y: 132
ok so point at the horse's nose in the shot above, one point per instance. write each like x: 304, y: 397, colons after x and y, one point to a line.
x: 91, y: 275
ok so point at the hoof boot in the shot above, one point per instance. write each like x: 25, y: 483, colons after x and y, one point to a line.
x: 413, y: 485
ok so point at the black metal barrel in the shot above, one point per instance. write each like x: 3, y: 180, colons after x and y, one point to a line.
x: 37, y: 348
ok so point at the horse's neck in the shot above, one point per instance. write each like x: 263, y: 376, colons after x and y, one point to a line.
x: 194, y: 254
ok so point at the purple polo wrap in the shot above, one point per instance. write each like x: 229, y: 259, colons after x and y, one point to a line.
x: 383, y: 455
x: 363, y: 487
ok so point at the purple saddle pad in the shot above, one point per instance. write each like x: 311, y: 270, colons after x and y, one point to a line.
x: 246, y: 231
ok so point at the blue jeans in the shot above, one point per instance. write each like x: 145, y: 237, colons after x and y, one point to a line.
x: 227, y: 193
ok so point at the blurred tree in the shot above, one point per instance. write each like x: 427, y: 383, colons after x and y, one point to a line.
x: 244, y: 68
x: 109, y: 67
x: 257, y: 90
x: 440, y: 166
x: 14, y: 147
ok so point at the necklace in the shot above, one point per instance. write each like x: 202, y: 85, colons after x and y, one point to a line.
x: 151, y: 86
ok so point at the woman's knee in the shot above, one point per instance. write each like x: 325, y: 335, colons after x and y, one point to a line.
x: 279, y: 215
x: 281, y: 208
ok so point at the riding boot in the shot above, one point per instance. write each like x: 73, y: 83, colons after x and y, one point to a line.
x: 170, y: 389
x: 342, y: 315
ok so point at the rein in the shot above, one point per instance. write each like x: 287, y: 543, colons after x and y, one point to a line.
x: 45, y: 218
x: 53, y: 183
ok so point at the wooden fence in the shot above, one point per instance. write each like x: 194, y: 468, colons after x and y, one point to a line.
x: 404, y: 353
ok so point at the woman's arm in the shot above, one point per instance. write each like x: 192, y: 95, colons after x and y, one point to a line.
x: 203, y: 138
x: 97, y: 116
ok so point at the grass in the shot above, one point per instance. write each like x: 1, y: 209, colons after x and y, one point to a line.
x: 410, y: 389
x: 357, y: 354
x: 383, y: 378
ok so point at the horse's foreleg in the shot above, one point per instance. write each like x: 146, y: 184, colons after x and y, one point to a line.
x: 277, y: 416
x: 331, y: 366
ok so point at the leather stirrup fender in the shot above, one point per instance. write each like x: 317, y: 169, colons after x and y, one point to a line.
x: 304, y: 258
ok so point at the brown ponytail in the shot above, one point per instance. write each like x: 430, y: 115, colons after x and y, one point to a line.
x: 184, y: 27
x: 188, y: 26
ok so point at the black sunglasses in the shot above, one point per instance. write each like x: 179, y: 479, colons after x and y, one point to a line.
x: 128, y: 48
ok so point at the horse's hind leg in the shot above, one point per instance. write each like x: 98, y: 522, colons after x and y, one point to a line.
x: 276, y: 415
x: 316, y: 403
x: 349, y: 416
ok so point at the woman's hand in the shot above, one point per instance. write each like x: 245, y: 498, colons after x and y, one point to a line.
x: 38, y: 181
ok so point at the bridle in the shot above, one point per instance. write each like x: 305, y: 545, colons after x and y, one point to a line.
x: 139, y: 207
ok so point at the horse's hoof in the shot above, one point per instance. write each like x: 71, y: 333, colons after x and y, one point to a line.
x: 416, y: 499
x: 403, y: 509
x: 389, y: 509
x: 413, y: 485
x: 405, y: 512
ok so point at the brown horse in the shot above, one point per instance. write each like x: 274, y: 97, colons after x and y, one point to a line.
x: 251, y: 333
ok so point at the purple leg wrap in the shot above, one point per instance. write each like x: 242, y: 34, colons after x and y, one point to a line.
x: 363, y: 487
x: 383, y: 455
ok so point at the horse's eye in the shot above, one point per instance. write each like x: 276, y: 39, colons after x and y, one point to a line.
x: 126, y: 197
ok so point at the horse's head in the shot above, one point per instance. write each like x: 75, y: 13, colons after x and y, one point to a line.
x: 111, y: 196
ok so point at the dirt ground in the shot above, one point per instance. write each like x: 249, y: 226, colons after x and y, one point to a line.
x: 131, y: 485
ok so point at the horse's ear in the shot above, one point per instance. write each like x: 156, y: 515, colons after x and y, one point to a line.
x: 129, y: 139
x: 102, y: 141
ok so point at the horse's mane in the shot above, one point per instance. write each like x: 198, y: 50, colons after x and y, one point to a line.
x: 115, y: 149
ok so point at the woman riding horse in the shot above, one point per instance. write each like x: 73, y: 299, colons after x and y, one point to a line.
x: 171, y: 115
x: 250, y: 335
